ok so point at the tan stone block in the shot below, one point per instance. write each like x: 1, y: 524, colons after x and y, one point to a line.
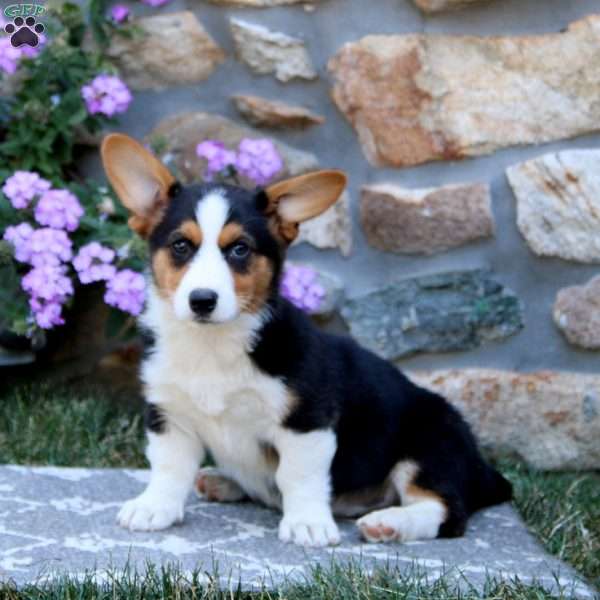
x: 415, y: 98
x: 425, y: 221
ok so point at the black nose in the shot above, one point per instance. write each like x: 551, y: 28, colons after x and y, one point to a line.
x: 203, y: 301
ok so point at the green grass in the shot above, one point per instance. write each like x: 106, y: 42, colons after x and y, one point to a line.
x: 336, y: 583
x: 40, y: 425
x: 563, y: 509
x: 44, y: 426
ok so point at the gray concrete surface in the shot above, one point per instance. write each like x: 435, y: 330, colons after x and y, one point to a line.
x: 56, y: 520
x: 333, y: 22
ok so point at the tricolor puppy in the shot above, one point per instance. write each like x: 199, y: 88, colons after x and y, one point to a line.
x: 297, y: 419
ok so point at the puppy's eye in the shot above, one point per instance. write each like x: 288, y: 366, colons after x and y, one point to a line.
x: 239, y: 250
x: 181, y: 247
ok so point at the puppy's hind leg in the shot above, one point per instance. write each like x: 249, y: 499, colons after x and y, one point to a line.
x: 213, y: 486
x: 419, y: 518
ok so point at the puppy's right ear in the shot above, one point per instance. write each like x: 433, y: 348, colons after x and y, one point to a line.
x: 140, y: 180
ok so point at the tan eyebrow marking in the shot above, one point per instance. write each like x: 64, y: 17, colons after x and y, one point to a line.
x: 167, y: 277
x: 191, y: 230
x: 230, y: 233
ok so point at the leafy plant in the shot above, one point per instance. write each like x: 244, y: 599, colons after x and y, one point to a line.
x: 60, y: 230
x: 41, y: 126
x: 47, y: 114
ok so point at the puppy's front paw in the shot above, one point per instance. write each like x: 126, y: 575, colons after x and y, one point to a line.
x: 147, y: 513
x: 316, y: 531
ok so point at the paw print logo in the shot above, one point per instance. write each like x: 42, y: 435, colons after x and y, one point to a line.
x: 24, y: 32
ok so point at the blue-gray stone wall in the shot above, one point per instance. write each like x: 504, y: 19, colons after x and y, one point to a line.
x: 325, y: 27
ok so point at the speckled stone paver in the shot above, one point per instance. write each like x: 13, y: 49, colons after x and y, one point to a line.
x: 57, y: 520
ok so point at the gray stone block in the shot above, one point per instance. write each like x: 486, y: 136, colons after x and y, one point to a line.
x: 459, y: 310
x: 57, y: 520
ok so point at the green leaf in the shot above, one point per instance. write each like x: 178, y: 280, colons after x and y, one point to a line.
x: 78, y: 117
x: 14, y: 306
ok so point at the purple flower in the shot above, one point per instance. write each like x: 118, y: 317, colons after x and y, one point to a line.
x: 217, y: 156
x: 47, y: 246
x: 48, y: 283
x: 258, y: 160
x: 92, y: 263
x: 59, y: 209
x: 107, y: 95
x: 155, y: 3
x: 22, y: 187
x: 9, y: 56
x: 46, y: 314
x: 313, y: 297
x: 19, y: 236
x: 125, y: 291
x: 48, y: 287
x: 119, y: 13
x: 300, y: 287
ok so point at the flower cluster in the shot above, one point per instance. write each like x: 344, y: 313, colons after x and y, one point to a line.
x: 217, y: 156
x: 155, y: 3
x: 257, y: 160
x: 126, y: 291
x: 300, y: 286
x: 23, y: 186
x: 119, y: 13
x: 10, y: 57
x: 49, y: 288
x: 107, y: 95
x: 94, y: 263
x: 48, y: 251
x: 18, y: 235
x: 39, y: 247
x: 59, y: 209
x: 51, y: 256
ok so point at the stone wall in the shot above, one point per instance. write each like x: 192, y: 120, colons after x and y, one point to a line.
x: 469, y: 131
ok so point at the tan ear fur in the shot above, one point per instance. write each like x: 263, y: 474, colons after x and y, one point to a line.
x: 298, y: 199
x: 140, y: 180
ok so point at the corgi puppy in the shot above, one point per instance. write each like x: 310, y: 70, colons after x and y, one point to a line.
x: 300, y: 420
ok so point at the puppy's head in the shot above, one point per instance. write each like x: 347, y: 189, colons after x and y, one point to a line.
x: 216, y: 250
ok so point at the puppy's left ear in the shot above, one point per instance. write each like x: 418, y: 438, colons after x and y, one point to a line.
x: 292, y: 201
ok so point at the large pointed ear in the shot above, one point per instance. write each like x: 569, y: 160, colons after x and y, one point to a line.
x: 140, y: 180
x: 295, y: 200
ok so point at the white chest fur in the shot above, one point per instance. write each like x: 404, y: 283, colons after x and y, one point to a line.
x: 202, y: 376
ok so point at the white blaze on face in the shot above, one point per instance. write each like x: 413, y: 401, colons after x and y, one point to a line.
x: 209, y: 269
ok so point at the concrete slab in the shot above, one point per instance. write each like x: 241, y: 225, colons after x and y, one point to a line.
x: 56, y: 520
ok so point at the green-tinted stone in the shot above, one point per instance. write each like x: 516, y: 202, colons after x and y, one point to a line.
x: 445, y: 312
